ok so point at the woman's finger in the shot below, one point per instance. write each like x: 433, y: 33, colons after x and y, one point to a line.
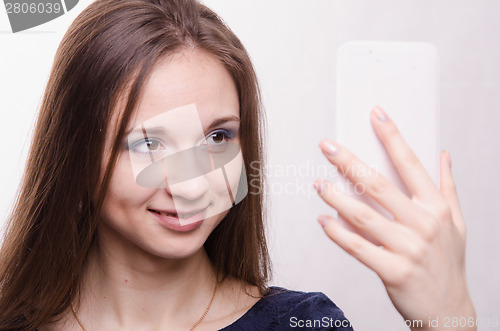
x: 392, y: 235
x: 409, y: 167
x: 385, y: 263
x: 449, y: 192
x: 375, y: 185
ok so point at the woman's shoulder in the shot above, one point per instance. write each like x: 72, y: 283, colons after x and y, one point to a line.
x: 283, y: 309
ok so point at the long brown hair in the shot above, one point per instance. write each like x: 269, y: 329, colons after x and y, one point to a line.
x: 109, y: 51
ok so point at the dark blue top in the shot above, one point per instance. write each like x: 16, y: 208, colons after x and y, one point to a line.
x: 283, y: 309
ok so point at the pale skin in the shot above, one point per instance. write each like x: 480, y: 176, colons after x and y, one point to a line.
x: 422, y: 258
x: 146, y: 277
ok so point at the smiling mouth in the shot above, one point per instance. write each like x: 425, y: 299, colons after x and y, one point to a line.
x: 177, y: 215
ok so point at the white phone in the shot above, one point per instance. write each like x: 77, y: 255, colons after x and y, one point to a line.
x: 403, y: 79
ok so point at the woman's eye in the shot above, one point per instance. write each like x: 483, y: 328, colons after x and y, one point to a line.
x: 148, y: 145
x: 218, y: 137
x: 153, y: 145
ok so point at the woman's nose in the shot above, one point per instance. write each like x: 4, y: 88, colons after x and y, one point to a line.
x: 189, y: 190
x: 185, y: 173
x: 176, y: 168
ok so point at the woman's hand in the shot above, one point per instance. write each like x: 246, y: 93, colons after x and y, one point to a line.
x: 422, y: 261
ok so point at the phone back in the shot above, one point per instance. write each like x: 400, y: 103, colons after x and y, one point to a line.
x: 402, y: 78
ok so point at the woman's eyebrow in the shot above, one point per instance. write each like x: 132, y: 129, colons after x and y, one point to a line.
x: 157, y: 130
x: 222, y: 120
x: 150, y: 130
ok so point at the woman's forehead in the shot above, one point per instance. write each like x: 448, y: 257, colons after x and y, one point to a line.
x: 185, y: 78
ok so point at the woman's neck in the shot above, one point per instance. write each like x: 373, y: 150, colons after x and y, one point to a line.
x: 125, y: 287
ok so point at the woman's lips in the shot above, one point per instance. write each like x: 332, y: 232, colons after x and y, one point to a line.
x: 170, y: 219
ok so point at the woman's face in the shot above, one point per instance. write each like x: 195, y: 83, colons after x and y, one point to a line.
x: 163, y: 196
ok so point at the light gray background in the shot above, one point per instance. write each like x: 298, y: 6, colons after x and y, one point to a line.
x: 293, y: 45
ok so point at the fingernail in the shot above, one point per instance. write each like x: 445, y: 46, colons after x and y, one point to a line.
x: 381, y: 115
x: 329, y: 148
x: 318, y: 187
x: 447, y: 156
x: 323, y: 220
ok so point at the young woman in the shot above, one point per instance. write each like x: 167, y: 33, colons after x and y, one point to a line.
x: 105, y: 236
